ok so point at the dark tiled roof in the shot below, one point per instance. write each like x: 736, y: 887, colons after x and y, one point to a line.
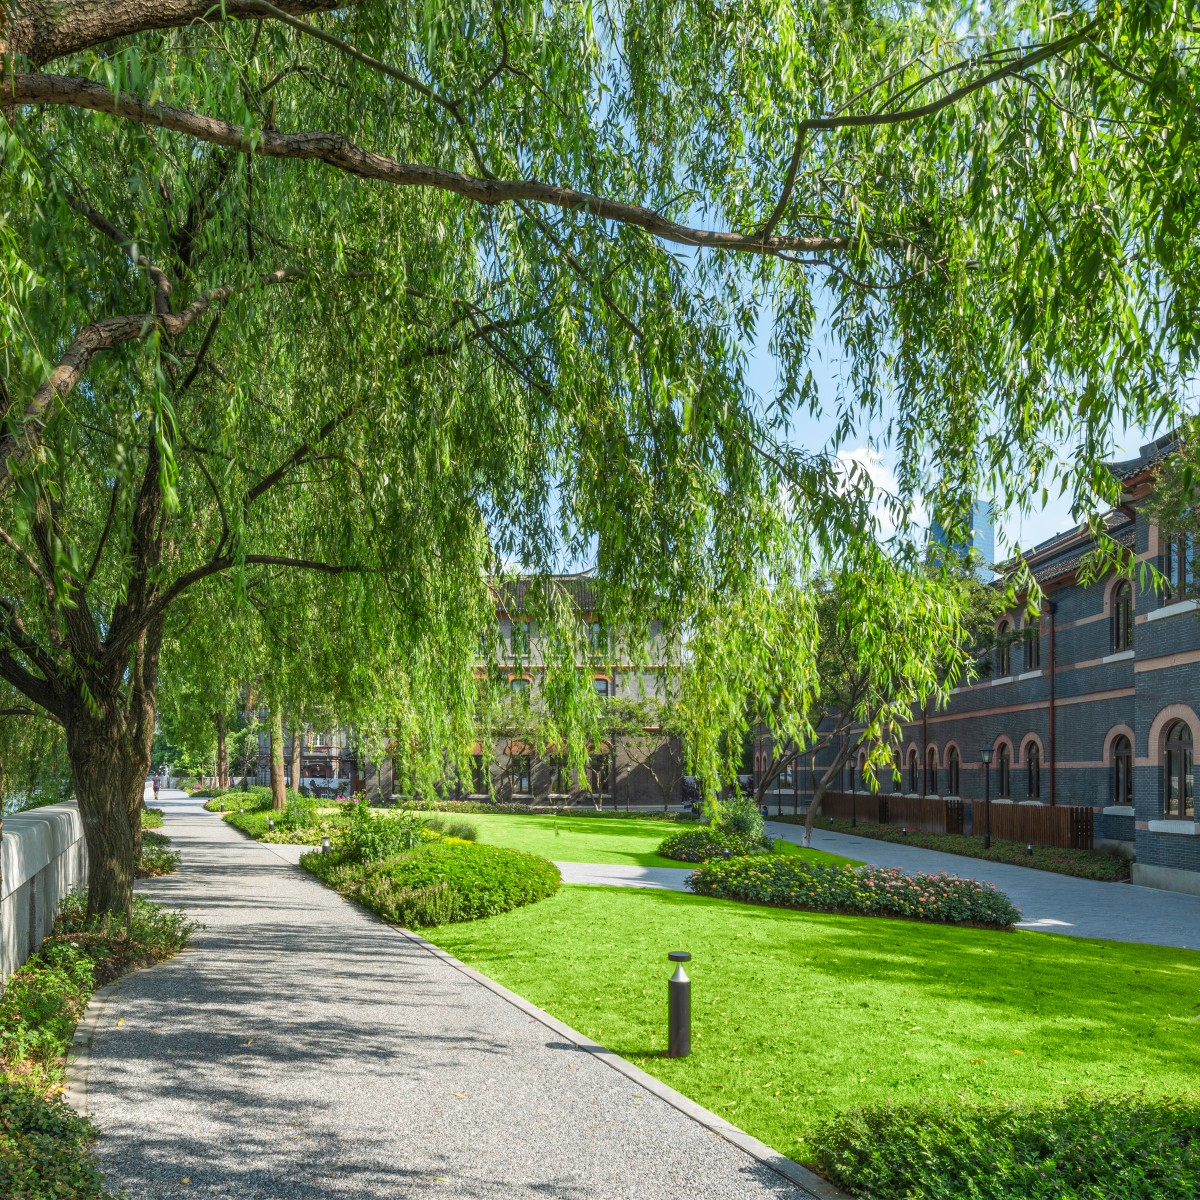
x: 1150, y: 454
x: 580, y: 587
x: 1061, y: 564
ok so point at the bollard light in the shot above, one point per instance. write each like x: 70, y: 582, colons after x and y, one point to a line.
x: 270, y: 824
x: 222, y: 805
x: 727, y: 852
x: 1029, y: 848
x: 241, y: 810
x: 904, y: 831
x: 679, y: 1008
x: 325, y: 847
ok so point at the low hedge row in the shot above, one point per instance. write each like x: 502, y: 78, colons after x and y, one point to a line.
x: 439, y: 882
x: 701, y: 845
x: 791, y: 882
x: 1081, y: 1147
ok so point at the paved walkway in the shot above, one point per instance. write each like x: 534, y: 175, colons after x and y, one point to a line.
x: 303, y: 1049
x: 1049, y: 903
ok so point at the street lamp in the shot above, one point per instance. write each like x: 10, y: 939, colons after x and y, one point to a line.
x: 985, y: 757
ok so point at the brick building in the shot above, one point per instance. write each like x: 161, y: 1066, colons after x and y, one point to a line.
x: 1094, y: 701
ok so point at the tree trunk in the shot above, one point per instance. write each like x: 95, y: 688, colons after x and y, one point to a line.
x: 296, y: 757
x: 109, y: 773
x: 278, y: 793
x: 821, y: 786
x: 222, y: 753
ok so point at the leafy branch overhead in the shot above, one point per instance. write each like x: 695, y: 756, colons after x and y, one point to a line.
x: 315, y: 316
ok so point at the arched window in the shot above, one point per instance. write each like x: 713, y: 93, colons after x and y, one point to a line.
x: 1178, y: 799
x: 1122, y: 617
x: 1033, y: 765
x: 914, y: 783
x: 1122, y: 770
x: 952, y: 771
x: 1003, y: 649
x: 1032, y: 637
x: 1004, y: 766
x: 931, y: 779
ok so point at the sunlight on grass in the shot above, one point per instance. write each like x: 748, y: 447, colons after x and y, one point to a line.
x: 800, y: 1015
x: 631, y: 841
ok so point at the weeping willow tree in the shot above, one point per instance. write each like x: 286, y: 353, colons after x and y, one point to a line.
x: 315, y: 312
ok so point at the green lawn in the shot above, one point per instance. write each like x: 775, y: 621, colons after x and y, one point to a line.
x: 627, y: 840
x: 797, y: 1016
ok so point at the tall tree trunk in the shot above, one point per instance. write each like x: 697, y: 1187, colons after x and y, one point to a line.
x: 296, y: 756
x: 108, y: 769
x: 821, y: 786
x: 222, y: 753
x: 278, y: 792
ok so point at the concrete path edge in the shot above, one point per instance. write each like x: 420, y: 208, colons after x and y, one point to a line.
x: 793, y: 1172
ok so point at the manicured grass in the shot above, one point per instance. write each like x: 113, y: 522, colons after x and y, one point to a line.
x: 799, y: 1016
x: 1084, y: 864
x: 631, y: 841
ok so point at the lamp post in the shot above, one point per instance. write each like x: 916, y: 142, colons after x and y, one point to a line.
x: 985, y: 757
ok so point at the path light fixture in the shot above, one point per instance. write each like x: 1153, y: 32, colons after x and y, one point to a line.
x: 904, y: 831
x: 1029, y: 849
x: 679, y: 1008
x: 325, y: 846
x: 727, y: 852
x: 270, y: 824
x: 222, y: 805
x: 985, y: 757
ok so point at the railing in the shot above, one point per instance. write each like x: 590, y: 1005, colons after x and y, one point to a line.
x: 867, y: 807
x: 926, y: 814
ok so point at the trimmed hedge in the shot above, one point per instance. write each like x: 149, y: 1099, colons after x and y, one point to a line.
x: 701, y: 845
x: 1081, y: 1147
x: 439, y: 882
x: 791, y: 882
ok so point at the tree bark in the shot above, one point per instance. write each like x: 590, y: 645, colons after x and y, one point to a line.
x: 222, y: 753
x: 109, y: 773
x: 278, y: 792
x: 821, y: 786
x: 296, y: 755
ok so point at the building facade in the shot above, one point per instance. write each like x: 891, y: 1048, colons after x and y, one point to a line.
x: 1092, y: 701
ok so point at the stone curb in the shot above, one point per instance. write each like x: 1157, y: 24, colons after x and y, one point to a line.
x: 79, y: 1057
x: 810, y: 1183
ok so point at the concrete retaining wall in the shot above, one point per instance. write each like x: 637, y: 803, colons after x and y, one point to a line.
x: 43, y: 856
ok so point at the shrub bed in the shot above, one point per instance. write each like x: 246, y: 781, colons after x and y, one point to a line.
x: 156, y: 858
x: 1084, y: 864
x: 439, y: 882
x: 43, y: 1144
x: 790, y: 882
x: 701, y: 845
x: 1082, y: 1147
x: 152, y: 818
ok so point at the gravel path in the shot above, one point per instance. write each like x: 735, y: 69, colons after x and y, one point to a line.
x: 302, y: 1049
x: 1050, y: 903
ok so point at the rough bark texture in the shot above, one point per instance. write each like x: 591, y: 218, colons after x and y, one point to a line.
x: 278, y: 791
x: 222, y: 753
x: 109, y: 776
x: 43, y: 30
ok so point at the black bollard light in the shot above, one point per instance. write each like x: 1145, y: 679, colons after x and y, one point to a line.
x: 727, y: 852
x: 270, y: 824
x: 1029, y: 849
x: 679, y: 1008
x: 325, y: 847
x: 222, y: 805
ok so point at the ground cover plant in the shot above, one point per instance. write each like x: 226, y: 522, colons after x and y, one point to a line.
x: 799, y: 1017
x: 156, y: 857
x: 867, y: 891
x: 152, y: 818
x: 1085, y: 864
x: 437, y: 882
x: 44, y: 1146
x: 1122, y: 1147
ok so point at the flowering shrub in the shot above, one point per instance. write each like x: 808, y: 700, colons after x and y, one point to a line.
x: 1127, y: 1146
x: 790, y: 882
x: 699, y: 845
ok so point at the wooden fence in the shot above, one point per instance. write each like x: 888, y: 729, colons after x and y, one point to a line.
x: 1065, y: 826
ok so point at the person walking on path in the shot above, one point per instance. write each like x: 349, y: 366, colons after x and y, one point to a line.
x: 154, y: 784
